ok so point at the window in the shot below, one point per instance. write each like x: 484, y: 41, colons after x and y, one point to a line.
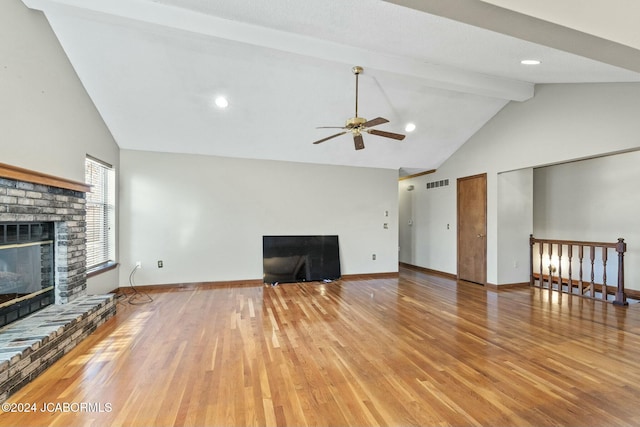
x: 100, y: 208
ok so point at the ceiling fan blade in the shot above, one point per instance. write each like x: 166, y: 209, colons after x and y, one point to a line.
x: 329, y: 137
x: 375, y: 122
x: 357, y: 140
x: 386, y: 134
x: 330, y: 127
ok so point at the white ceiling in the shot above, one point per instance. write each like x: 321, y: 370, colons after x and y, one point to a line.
x: 153, y: 67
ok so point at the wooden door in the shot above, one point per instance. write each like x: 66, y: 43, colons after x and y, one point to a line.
x: 472, y: 229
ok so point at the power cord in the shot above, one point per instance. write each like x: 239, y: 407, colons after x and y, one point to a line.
x: 133, y: 297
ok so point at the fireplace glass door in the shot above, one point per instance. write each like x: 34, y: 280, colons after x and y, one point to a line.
x: 26, y: 272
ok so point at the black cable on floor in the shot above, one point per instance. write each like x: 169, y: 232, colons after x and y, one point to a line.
x: 132, y: 298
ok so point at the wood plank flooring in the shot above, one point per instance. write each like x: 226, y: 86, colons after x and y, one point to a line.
x: 416, y: 350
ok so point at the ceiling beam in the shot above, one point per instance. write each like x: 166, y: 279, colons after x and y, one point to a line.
x: 525, y: 27
x: 429, y: 75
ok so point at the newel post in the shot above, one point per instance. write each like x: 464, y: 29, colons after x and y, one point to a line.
x: 621, y: 298
x: 531, y: 242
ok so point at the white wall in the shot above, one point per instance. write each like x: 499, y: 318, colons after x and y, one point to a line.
x: 205, y: 216
x: 595, y: 200
x: 47, y: 121
x: 515, y: 224
x: 561, y: 122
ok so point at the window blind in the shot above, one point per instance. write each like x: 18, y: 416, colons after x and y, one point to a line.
x: 100, y: 207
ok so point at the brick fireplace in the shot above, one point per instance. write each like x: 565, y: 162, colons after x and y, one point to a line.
x: 24, y: 202
x: 30, y: 345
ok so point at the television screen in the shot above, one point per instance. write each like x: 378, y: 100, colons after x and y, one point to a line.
x: 300, y: 258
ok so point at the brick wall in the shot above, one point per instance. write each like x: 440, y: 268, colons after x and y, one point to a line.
x: 27, y: 202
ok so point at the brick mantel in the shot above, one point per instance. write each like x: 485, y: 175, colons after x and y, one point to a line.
x: 26, y: 175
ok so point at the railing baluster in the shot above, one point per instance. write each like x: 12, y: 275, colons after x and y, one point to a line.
x: 592, y: 251
x: 541, y: 249
x: 581, y: 282
x: 531, y: 243
x: 570, y: 255
x: 604, y: 273
x: 550, y: 267
x: 560, y: 267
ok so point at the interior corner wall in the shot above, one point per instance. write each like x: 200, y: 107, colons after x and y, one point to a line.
x: 562, y: 122
x: 204, y: 216
x: 48, y: 123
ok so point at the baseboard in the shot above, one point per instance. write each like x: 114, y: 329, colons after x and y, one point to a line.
x: 389, y: 275
x: 237, y: 283
x: 428, y: 271
x: 506, y: 286
x: 194, y: 285
x: 632, y: 293
x: 489, y: 286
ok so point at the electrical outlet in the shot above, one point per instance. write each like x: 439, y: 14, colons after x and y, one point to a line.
x: 138, y: 264
x: 160, y: 264
x: 373, y: 257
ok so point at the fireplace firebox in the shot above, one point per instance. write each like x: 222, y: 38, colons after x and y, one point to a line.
x: 26, y: 269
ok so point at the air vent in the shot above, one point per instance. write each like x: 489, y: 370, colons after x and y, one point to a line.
x: 436, y: 184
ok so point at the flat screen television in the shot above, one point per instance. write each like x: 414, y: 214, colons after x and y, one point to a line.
x: 300, y: 258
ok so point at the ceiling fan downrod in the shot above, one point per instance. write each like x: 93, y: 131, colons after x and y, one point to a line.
x: 357, y: 70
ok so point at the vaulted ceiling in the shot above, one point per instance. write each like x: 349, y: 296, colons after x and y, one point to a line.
x: 154, y: 67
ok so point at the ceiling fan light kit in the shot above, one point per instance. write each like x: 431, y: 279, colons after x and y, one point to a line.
x: 357, y: 125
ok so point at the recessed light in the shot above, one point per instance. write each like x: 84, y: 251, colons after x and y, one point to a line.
x: 530, y: 62
x: 410, y: 127
x: 222, y: 102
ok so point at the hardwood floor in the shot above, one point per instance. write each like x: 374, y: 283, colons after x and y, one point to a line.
x: 418, y: 350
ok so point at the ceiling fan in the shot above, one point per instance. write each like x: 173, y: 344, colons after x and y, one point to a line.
x: 357, y: 125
